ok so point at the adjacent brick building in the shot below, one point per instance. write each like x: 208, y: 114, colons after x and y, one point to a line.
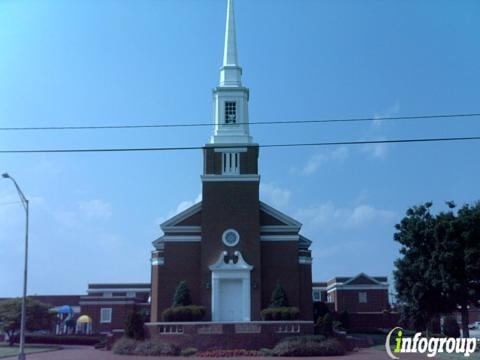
x: 356, y: 294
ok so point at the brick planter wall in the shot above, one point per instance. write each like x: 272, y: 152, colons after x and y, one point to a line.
x: 209, y: 335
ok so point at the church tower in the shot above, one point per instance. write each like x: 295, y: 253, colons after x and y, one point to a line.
x: 231, y: 249
x: 230, y: 206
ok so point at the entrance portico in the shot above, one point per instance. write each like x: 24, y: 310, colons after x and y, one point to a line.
x: 231, y: 288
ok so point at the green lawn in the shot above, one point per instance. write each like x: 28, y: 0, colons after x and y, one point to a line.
x: 7, y: 351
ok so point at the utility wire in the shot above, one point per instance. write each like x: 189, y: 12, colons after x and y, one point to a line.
x: 333, y: 143
x: 345, y: 120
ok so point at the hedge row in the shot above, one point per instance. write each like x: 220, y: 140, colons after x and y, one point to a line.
x: 63, y: 339
x: 307, y: 346
x: 184, y: 313
x: 280, y: 313
x: 126, y: 346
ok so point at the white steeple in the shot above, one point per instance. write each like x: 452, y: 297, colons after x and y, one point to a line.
x: 231, y: 72
x: 230, y: 97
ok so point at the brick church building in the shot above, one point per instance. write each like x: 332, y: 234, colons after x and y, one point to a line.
x: 231, y: 248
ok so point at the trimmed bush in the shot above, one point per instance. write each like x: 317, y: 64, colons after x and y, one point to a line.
x: 63, y: 339
x: 184, y: 313
x: 309, y: 346
x: 450, y: 327
x: 190, y: 351
x: 156, y: 348
x: 279, y: 297
x: 182, y: 295
x: 134, y: 326
x: 228, y: 353
x: 280, y: 314
x: 126, y: 346
x: 345, y: 319
x: 324, y: 325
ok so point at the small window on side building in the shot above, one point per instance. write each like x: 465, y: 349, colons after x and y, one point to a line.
x: 362, y: 297
x: 106, y: 315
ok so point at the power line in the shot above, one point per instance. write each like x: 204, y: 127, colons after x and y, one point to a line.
x: 333, y: 143
x: 146, y: 126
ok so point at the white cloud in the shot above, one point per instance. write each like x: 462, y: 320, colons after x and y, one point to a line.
x: 275, y: 195
x: 316, y: 161
x: 327, y: 215
x: 379, y: 151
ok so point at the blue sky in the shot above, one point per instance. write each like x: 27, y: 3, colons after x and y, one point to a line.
x: 90, y: 62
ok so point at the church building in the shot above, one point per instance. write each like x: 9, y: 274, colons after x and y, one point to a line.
x: 231, y: 248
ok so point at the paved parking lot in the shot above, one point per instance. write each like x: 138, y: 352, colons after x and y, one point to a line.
x: 89, y: 353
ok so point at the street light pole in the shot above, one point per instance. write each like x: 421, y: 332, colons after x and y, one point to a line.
x: 21, y: 354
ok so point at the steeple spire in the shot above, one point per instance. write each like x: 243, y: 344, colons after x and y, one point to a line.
x: 230, y: 72
x: 230, y: 52
x: 230, y: 97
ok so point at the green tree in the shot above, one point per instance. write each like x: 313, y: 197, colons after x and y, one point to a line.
x: 439, y: 269
x: 458, y: 257
x: 182, y: 295
x: 134, y: 326
x: 279, y: 297
x: 417, y: 281
x: 38, y: 316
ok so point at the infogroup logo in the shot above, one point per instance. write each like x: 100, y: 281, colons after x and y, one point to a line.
x: 430, y: 346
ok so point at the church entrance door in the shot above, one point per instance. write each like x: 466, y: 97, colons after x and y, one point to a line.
x: 231, y: 304
x: 231, y: 288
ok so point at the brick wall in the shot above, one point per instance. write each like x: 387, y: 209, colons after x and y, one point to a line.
x: 377, y: 300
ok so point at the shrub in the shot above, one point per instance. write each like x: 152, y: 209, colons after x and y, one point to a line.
x: 134, y: 326
x: 320, y: 309
x: 156, y: 348
x: 279, y: 297
x: 126, y: 346
x: 308, y: 346
x: 228, y: 353
x: 345, y: 319
x: 281, y: 313
x: 325, y: 325
x: 184, y: 313
x: 450, y: 327
x: 182, y: 295
x: 63, y: 339
x: 189, y: 351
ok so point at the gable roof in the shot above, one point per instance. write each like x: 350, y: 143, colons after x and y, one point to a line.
x: 175, y: 221
x: 283, y: 219
x: 363, y: 279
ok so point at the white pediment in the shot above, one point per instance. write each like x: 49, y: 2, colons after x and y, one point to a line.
x: 231, y: 265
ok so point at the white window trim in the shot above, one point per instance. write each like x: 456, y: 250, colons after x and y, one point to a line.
x: 108, y: 318
x: 363, y: 297
x: 224, y: 237
x: 230, y: 163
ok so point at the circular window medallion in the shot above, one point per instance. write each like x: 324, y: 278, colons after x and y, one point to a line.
x: 230, y: 237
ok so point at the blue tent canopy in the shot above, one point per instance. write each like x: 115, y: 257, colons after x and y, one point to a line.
x: 65, y: 309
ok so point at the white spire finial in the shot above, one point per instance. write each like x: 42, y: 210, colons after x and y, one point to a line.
x: 230, y: 51
x: 231, y: 72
